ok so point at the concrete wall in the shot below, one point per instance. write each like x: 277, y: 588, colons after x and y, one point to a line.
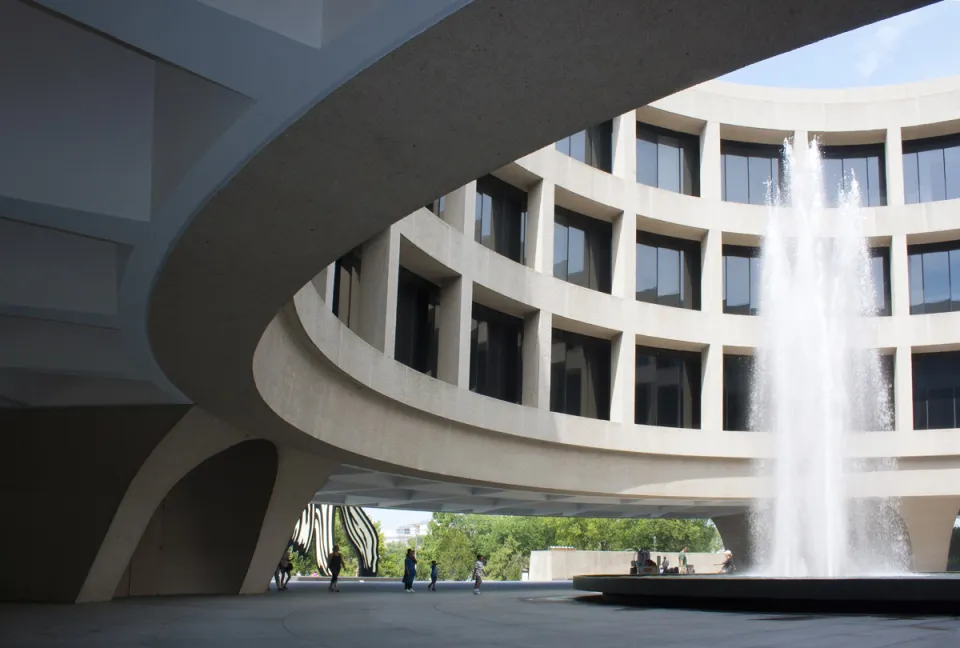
x: 202, y: 537
x: 564, y: 564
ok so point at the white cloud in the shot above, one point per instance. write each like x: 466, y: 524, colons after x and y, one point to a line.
x: 881, y: 42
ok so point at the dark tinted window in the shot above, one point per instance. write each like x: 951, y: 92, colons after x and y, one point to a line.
x: 936, y: 390
x: 668, y: 160
x: 582, y: 251
x: 737, y: 382
x: 495, y: 354
x: 346, y: 288
x: 880, y: 271
x: 842, y: 163
x: 438, y: 206
x: 750, y: 173
x: 668, y: 271
x: 592, y: 146
x: 580, y: 375
x: 417, y: 303
x: 667, y: 388
x: 934, y: 277
x: 741, y: 280
x: 931, y: 169
x: 500, y: 217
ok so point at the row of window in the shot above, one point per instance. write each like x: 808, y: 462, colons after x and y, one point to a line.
x: 667, y: 382
x: 753, y: 173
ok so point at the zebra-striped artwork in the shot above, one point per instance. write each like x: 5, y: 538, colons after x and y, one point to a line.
x: 314, y: 530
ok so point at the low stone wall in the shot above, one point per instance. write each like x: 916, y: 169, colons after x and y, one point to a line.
x: 564, y: 564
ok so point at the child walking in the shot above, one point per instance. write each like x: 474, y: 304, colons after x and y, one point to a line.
x: 478, y: 574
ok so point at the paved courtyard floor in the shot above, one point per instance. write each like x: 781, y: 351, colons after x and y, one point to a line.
x: 506, y: 614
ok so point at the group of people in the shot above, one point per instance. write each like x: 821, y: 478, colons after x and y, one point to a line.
x: 645, y: 564
x: 334, y: 564
x: 410, y: 573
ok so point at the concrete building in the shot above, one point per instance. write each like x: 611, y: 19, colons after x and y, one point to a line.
x: 186, y: 359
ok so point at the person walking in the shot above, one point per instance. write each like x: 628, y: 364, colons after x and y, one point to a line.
x: 282, y: 574
x: 682, y: 560
x: 409, y: 571
x: 478, y: 574
x: 335, y: 563
x: 433, y: 576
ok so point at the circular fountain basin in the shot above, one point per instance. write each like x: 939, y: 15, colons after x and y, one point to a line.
x: 909, y: 594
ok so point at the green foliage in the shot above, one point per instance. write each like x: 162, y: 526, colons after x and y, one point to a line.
x: 455, y: 540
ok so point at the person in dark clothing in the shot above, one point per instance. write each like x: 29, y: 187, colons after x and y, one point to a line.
x: 409, y: 571
x: 335, y: 563
x: 433, y: 576
x: 282, y: 575
x: 727, y: 566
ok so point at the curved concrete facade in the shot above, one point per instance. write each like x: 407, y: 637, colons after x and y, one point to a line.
x: 171, y: 258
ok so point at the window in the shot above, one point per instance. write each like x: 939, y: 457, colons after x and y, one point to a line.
x: 500, y: 218
x: 668, y: 160
x: 750, y: 173
x: 346, y: 288
x: 934, y: 271
x: 582, y: 250
x: 417, y: 322
x: 737, y: 383
x: 437, y: 206
x: 936, y: 390
x: 592, y: 146
x: 741, y: 280
x: 495, y: 354
x: 842, y: 163
x: 931, y: 169
x: 668, y: 271
x: 667, y: 388
x: 880, y: 271
x: 580, y: 375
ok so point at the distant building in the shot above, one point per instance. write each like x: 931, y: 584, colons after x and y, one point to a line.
x: 408, y: 532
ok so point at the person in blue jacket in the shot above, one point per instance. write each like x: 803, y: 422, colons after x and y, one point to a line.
x: 409, y: 571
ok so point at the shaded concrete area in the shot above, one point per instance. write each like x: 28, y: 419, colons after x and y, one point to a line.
x: 367, y: 614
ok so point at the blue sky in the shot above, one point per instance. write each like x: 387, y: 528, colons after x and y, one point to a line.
x: 916, y: 46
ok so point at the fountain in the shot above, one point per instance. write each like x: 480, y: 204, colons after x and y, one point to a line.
x: 816, y: 384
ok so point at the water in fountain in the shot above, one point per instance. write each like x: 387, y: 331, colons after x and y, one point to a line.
x: 816, y: 383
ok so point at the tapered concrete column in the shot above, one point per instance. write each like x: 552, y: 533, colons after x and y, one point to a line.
x: 710, y: 161
x: 894, y: 156
x: 299, y: 477
x: 711, y: 388
x: 735, y: 533
x: 711, y: 273
x: 537, y: 341
x: 540, y: 205
x: 378, y: 298
x: 625, y: 256
x: 625, y: 146
x: 903, y: 389
x: 623, y: 368
x: 456, y: 313
x: 459, y: 208
x: 929, y: 521
x: 323, y: 282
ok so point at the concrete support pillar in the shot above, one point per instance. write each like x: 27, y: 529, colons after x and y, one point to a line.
x: 710, y: 161
x: 625, y: 256
x: 623, y: 367
x: 929, y: 521
x: 735, y: 533
x: 903, y: 389
x: 378, y: 299
x: 625, y: 146
x: 299, y: 477
x: 537, y: 342
x: 899, y: 276
x: 460, y: 206
x: 323, y: 282
x: 711, y: 388
x: 894, y: 170
x: 456, y: 314
x: 540, y: 205
x: 711, y: 273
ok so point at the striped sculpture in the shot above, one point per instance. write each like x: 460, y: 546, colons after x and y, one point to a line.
x: 314, y: 530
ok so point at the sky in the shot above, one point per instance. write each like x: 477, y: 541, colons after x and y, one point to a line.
x: 915, y: 46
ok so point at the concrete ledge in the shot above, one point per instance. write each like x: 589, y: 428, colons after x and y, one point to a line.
x: 935, y: 594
